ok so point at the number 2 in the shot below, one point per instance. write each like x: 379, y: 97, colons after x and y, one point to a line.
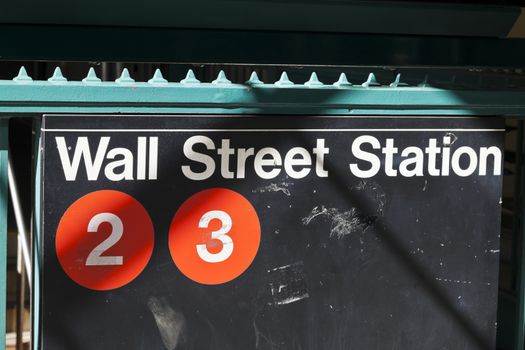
x: 221, y: 235
x: 117, y: 229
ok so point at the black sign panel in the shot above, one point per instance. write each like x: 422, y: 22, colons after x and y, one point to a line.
x: 270, y: 232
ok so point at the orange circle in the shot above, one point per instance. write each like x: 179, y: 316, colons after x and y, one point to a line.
x: 90, y: 248
x: 210, y: 209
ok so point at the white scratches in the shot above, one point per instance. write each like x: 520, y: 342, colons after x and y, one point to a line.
x: 287, y: 284
x: 342, y: 223
x: 280, y: 268
x: 291, y: 299
x: 171, y: 324
x: 273, y: 187
x: 449, y: 139
x: 446, y: 280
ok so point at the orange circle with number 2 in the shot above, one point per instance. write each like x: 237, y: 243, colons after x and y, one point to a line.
x: 104, y: 240
x: 214, y: 236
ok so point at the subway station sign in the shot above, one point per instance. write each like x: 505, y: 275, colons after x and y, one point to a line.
x: 270, y: 232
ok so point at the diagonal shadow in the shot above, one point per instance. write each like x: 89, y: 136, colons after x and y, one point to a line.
x: 382, y: 229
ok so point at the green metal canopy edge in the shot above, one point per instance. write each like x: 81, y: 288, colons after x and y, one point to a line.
x: 125, y: 95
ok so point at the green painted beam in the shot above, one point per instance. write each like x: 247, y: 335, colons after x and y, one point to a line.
x: 131, y: 44
x: 36, y: 235
x: 388, y: 17
x: 23, y: 95
x: 4, y: 194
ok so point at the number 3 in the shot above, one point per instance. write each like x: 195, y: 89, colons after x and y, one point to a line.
x: 117, y: 228
x: 221, y: 235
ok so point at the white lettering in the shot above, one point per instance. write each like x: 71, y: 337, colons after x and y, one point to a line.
x: 274, y: 160
x: 82, y: 151
x: 375, y: 163
x: 472, y: 161
x: 199, y: 158
x: 290, y: 161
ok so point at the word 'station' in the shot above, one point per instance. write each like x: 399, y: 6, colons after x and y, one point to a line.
x: 104, y: 240
x: 205, y: 158
x: 214, y: 236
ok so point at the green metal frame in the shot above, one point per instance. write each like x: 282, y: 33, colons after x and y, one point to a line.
x: 23, y: 96
x: 4, y: 189
x: 484, y: 19
x: 520, y: 300
x: 36, y: 235
x: 130, y: 44
x: 286, y: 32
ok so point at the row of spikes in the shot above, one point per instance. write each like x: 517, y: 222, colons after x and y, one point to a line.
x: 190, y: 78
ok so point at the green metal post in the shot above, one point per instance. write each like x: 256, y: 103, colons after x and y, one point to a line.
x: 3, y: 226
x: 520, y: 316
x: 516, y: 223
x: 36, y: 237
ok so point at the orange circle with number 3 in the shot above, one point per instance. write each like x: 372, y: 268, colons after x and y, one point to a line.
x: 104, y: 240
x: 214, y: 236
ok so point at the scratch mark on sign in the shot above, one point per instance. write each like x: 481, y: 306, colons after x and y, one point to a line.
x: 273, y: 187
x: 287, y: 284
x: 291, y: 299
x: 341, y: 223
x: 260, y: 335
x: 446, y: 280
x: 345, y: 222
x: 449, y: 139
x: 170, y: 323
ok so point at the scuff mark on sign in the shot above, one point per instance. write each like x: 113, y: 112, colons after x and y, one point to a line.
x: 448, y: 280
x: 449, y: 139
x: 259, y: 335
x: 273, y: 187
x: 287, y: 284
x: 171, y: 324
x: 342, y: 223
x: 345, y: 222
x: 372, y: 191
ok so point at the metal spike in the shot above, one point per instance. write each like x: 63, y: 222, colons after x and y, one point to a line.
x: 221, y: 79
x: 284, y: 81
x: 190, y: 78
x: 314, y: 81
x: 125, y: 78
x: 371, y: 81
x: 157, y: 78
x: 424, y: 83
x: 342, y: 81
x: 57, y: 76
x: 398, y: 82
x: 254, y: 79
x: 91, y: 77
x: 22, y: 76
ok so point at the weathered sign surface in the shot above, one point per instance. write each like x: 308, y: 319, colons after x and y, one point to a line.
x: 270, y: 232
